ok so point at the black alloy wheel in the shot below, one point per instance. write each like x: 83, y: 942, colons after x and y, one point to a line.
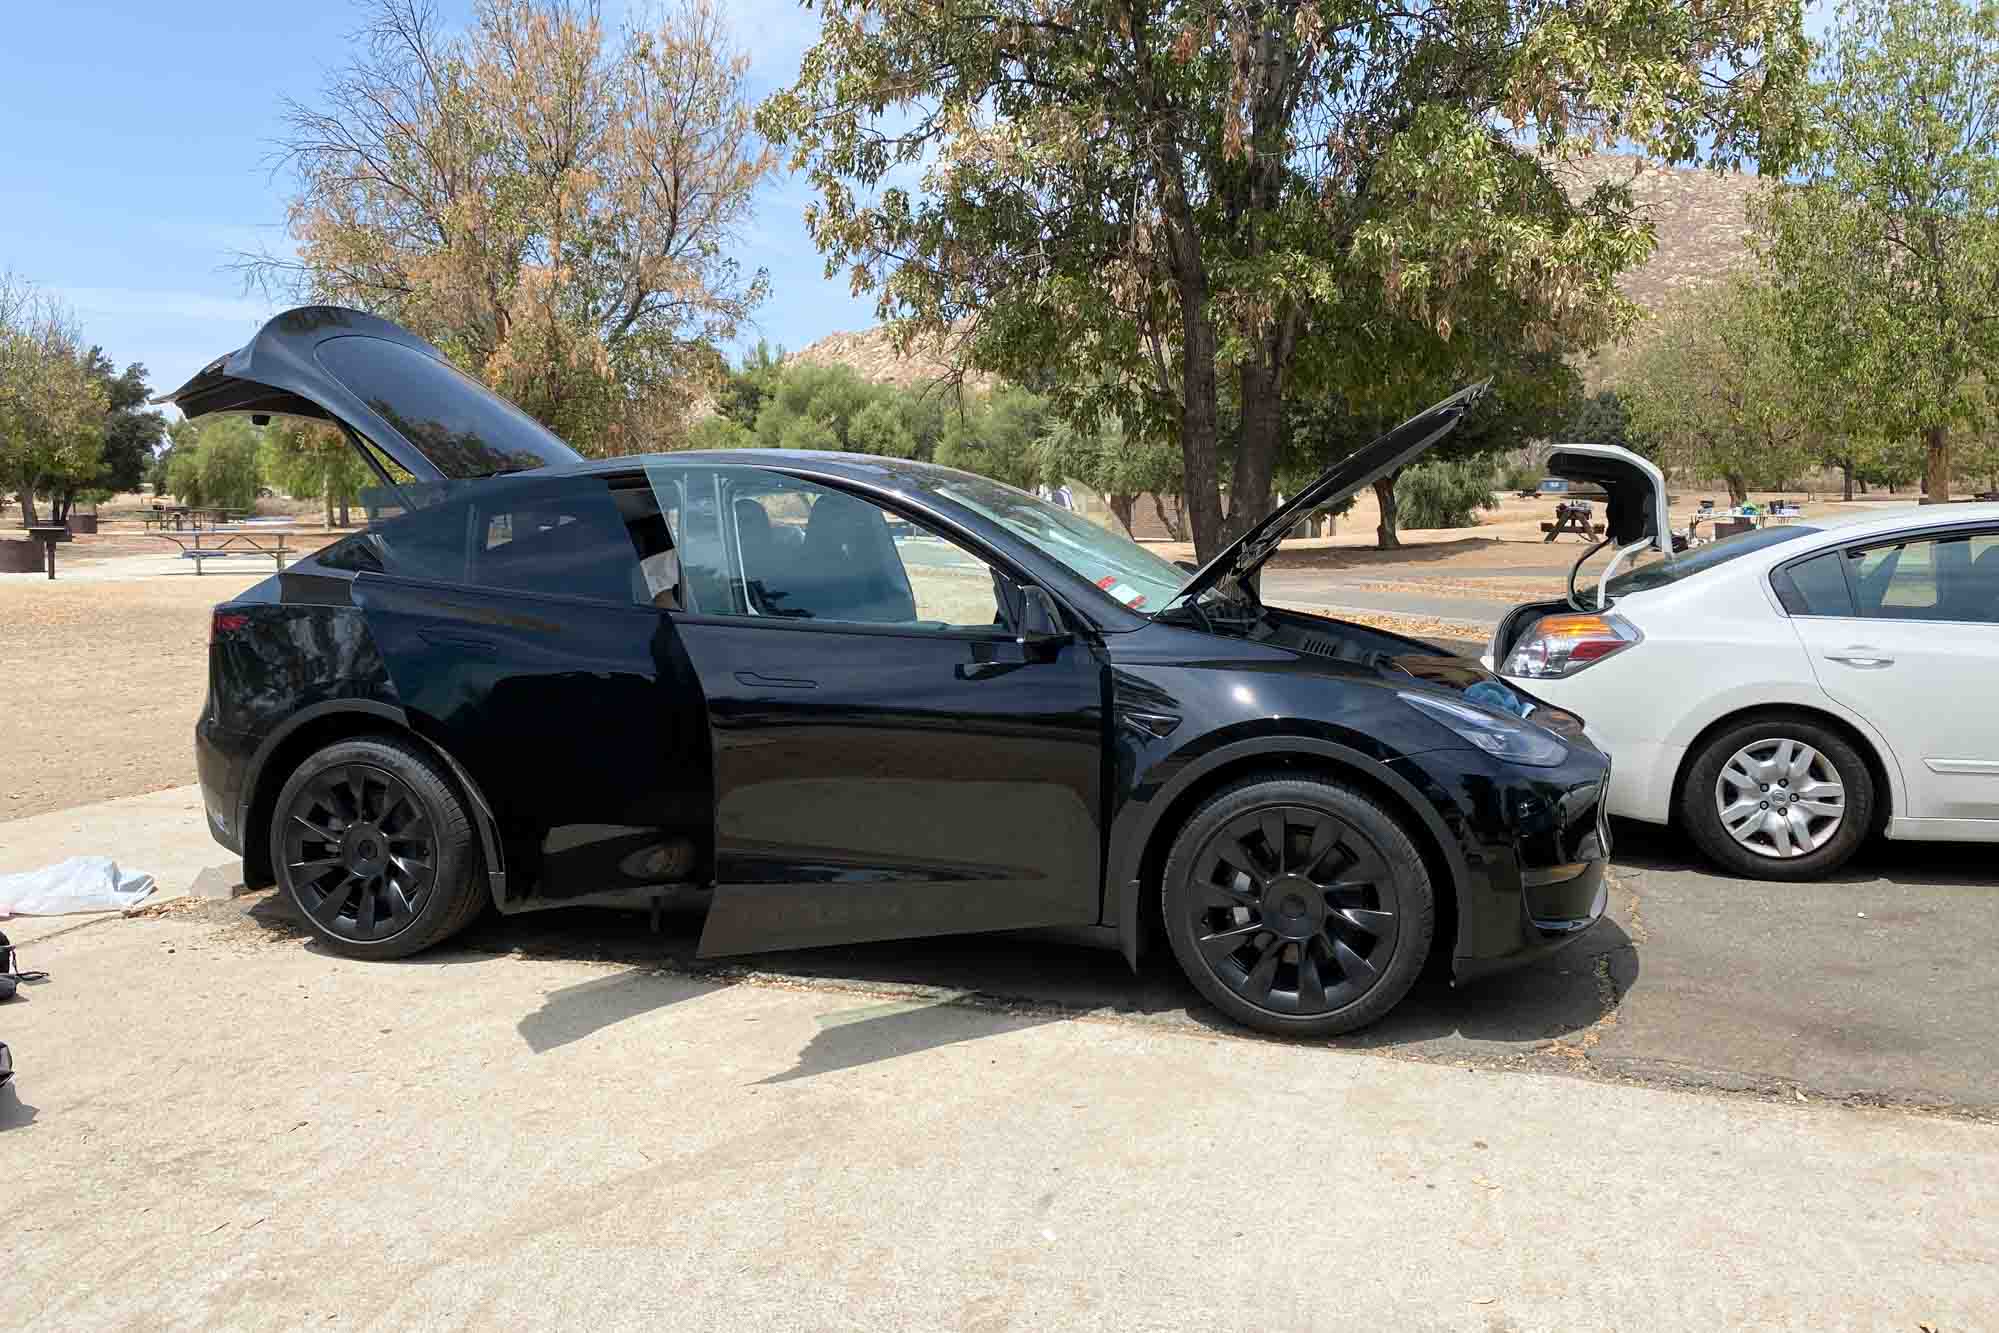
x: 1298, y: 906
x: 374, y: 847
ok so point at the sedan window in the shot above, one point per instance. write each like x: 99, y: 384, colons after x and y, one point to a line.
x: 1950, y: 577
x: 1815, y: 587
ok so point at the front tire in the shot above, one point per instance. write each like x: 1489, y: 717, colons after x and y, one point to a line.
x: 1778, y: 797
x: 1298, y: 906
x: 373, y: 846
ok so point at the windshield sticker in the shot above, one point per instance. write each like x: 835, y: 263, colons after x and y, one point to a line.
x: 1124, y: 592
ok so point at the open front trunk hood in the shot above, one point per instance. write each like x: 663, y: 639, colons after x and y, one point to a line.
x: 1399, y: 447
x: 1636, y: 509
x: 381, y: 382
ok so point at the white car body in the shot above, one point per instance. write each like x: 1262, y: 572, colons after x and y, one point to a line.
x: 1718, y: 644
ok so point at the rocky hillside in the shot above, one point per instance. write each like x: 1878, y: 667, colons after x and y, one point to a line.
x: 1702, y: 223
x: 871, y: 354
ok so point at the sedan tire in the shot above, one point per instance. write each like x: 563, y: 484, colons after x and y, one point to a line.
x: 1298, y: 906
x: 1779, y: 797
x: 374, y: 847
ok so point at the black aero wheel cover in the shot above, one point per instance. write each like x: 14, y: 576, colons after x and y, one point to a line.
x: 359, y: 851
x: 1294, y: 909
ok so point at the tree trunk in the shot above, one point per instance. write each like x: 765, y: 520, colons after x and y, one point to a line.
x: 1846, y: 474
x: 1170, y: 522
x: 1197, y: 422
x: 326, y: 492
x: 1121, y: 506
x: 1936, y: 476
x: 1738, y: 489
x: 1385, y: 536
x: 344, y: 521
x: 1262, y: 422
x: 27, y: 499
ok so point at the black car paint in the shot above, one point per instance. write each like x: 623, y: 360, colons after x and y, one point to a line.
x: 1117, y: 733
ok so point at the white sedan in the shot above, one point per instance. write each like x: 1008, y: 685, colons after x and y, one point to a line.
x: 1782, y: 693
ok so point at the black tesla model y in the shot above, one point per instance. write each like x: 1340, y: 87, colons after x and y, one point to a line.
x: 850, y: 698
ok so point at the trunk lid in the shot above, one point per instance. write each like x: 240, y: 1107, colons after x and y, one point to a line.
x: 1240, y: 559
x: 1635, y: 491
x: 384, y: 384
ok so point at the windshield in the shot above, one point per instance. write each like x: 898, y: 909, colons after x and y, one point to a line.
x: 1114, y: 562
x: 1659, y: 573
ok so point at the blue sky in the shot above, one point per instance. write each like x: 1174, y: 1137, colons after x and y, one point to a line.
x: 133, y: 163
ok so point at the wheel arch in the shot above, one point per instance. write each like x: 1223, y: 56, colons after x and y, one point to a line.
x: 1870, y: 754
x: 328, y: 723
x: 1138, y: 881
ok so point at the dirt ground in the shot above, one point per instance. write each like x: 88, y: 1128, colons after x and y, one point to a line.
x: 105, y: 668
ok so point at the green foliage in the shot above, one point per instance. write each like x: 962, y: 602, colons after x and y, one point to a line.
x: 1444, y: 495
x: 745, y: 389
x: 1885, y: 245
x: 131, y: 433
x: 1144, y: 207
x: 1117, y: 465
x: 52, y: 410
x: 1520, y: 474
x: 1719, y: 390
x: 879, y: 428
x: 719, y: 433
x: 184, y: 471
x: 1605, y: 418
x: 229, y: 462
x: 996, y: 437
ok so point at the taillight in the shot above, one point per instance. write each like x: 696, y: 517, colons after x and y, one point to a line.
x: 225, y: 622
x: 1563, y: 645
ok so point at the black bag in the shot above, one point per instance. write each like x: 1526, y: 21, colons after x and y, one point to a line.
x: 10, y: 980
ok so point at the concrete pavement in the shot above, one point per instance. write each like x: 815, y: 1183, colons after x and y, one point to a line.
x: 220, y: 1127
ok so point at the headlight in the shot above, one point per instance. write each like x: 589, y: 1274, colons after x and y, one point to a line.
x: 1502, y: 737
x: 1563, y: 645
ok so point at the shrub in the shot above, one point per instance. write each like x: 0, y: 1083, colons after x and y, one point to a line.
x: 1444, y: 495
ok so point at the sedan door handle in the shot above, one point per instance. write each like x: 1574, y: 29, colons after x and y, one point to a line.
x: 1862, y: 657
x: 757, y: 680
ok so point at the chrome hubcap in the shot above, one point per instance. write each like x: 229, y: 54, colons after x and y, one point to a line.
x: 1780, y: 798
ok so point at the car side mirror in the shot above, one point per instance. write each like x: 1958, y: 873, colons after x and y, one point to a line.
x: 1038, y: 621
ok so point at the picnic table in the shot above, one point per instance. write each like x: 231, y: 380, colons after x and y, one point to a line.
x: 1572, y: 516
x: 204, y: 544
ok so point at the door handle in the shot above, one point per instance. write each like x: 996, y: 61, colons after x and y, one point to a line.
x: 757, y: 680
x: 1861, y: 657
x: 985, y: 670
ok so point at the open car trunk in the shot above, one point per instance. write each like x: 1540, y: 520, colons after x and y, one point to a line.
x: 381, y: 384
x: 1635, y: 520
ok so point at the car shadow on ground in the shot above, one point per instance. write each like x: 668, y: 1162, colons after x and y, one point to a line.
x: 953, y: 989
x: 1651, y: 847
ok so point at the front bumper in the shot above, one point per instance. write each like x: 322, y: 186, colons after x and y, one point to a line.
x: 1535, y: 845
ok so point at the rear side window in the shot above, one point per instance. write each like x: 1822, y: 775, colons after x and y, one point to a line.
x: 595, y: 537
x: 1952, y: 577
x: 1815, y: 587
x: 463, y: 428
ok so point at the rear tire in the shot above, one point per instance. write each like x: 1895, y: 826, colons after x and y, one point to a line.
x: 1778, y: 769
x: 1298, y: 906
x: 374, y: 847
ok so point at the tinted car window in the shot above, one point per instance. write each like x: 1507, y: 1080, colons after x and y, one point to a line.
x: 1815, y: 587
x: 1685, y: 564
x: 462, y: 427
x: 1954, y: 577
x: 760, y: 544
x: 570, y: 538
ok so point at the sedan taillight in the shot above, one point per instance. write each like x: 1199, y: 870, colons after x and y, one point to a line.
x: 225, y: 622
x: 1563, y: 645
